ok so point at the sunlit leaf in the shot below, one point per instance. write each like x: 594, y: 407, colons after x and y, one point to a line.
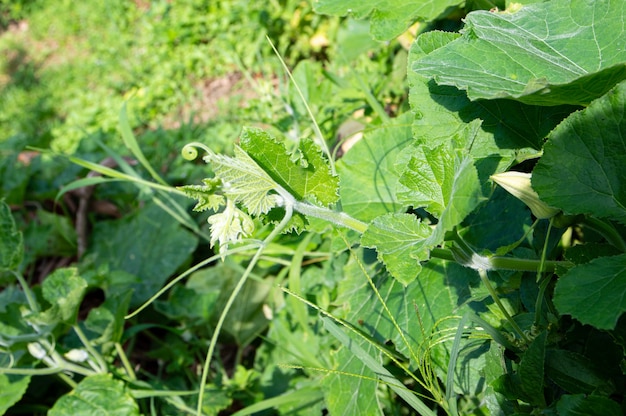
x: 549, y: 53
x: 582, y: 169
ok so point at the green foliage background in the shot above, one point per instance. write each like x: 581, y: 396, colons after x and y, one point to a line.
x: 358, y: 258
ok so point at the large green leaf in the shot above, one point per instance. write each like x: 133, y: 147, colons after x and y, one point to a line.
x: 148, y: 244
x: 595, y: 292
x: 369, y: 173
x: 402, y: 241
x: 439, y: 180
x: 11, y: 242
x: 389, y: 18
x: 443, y: 182
x: 494, y: 133
x: 550, y: 53
x: 96, y: 395
x: 418, y: 308
x: 582, y: 169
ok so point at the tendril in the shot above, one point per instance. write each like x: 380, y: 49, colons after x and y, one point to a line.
x: 190, y: 150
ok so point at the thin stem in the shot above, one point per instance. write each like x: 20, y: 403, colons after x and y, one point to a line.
x: 231, y: 300
x: 186, y: 273
x: 102, y: 367
x: 483, y: 277
x: 544, y: 283
x: 125, y: 363
x: 316, y: 128
x: 371, y: 100
x: 30, y: 297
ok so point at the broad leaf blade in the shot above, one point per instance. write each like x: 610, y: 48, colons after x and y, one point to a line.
x: 99, y: 395
x: 369, y: 172
x: 158, y: 247
x: 582, y: 404
x: 388, y: 18
x: 12, y: 388
x: 595, y: 292
x: 402, y: 241
x: 64, y: 290
x: 582, y: 169
x: 309, y: 177
x: 535, y: 53
x: 494, y: 133
x: 243, y: 180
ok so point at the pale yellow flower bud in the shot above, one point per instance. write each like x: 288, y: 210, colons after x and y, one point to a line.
x: 518, y: 184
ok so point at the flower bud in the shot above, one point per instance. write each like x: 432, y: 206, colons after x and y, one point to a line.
x: 36, y: 350
x: 76, y: 355
x: 518, y: 185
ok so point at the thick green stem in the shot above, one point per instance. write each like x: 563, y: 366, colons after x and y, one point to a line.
x: 338, y: 218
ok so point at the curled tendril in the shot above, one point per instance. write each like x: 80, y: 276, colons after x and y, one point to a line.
x: 190, y: 151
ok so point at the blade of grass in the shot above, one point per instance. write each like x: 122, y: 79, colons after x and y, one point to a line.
x: 131, y: 142
x: 320, y: 137
x: 454, y: 355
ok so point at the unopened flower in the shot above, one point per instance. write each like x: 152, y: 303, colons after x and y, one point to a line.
x: 77, y: 355
x: 518, y: 184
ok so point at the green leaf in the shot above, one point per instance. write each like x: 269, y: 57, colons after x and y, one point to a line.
x: 401, y: 241
x: 306, y: 177
x: 441, y: 181
x: 584, y: 405
x: 188, y: 304
x: 107, y: 320
x: 11, y: 243
x: 549, y: 53
x: 98, y: 394
x: 388, y: 18
x: 502, y: 221
x: 582, y: 169
x: 352, y: 391
x: 421, y: 308
x: 531, y: 372
x: 595, y: 292
x: 243, y: 180
x: 12, y: 388
x: 369, y: 173
x: 64, y: 290
x: 575, y: 373
x: 205, y: 195
x: 364, y: 401
x: 158, y: 247
x: 494, y: 133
